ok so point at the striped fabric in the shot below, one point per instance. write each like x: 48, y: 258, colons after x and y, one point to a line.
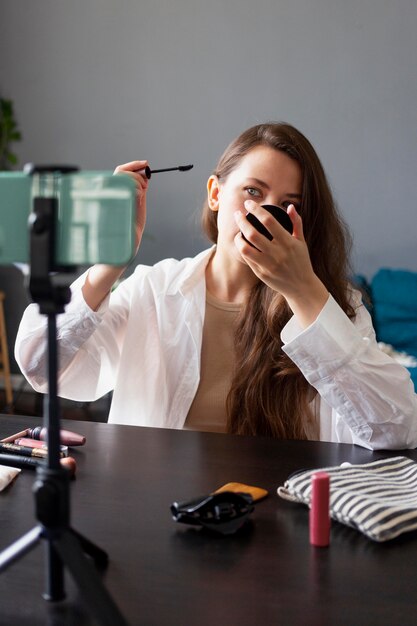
x: 379, y: 498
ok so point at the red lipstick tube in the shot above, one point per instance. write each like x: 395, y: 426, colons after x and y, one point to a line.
x: 319, y: 511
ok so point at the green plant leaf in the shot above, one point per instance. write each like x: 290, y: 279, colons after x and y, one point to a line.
x: 12, y: 158
x: 9, y: 133
x: 7, y: 107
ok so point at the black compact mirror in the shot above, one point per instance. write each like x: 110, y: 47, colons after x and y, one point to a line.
x: 280, y: 215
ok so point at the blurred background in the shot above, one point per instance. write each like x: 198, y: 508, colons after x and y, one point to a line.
x: 100, y: 82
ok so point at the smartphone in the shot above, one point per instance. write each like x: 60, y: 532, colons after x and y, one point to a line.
x: 95, y: 216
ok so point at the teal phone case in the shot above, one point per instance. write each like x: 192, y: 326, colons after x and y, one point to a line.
x: 95, y: 217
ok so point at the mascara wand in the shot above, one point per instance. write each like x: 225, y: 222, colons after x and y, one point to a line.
x: 180, y: 168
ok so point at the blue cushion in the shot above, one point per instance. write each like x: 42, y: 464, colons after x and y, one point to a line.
x: 394, y: 297
x: 413, y: 372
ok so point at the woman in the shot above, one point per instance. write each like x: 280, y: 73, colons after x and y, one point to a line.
x: 253, y: 336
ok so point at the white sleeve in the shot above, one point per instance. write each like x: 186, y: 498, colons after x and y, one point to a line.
x: 368, y: 391
x: 88, y: 345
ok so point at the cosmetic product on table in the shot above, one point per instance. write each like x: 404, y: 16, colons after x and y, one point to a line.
x: 13, y: 448
x: 320, y: 511
x: 35, y: 443
x: 67, y: 437
x: 27, y: 462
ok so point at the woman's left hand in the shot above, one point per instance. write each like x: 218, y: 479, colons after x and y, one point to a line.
x: 284, y: 263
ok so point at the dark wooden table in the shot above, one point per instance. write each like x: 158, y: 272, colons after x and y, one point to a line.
x: 163, y: 573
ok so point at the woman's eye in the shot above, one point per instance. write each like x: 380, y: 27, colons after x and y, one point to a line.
x: 287, y: 203
x: 255, y: 193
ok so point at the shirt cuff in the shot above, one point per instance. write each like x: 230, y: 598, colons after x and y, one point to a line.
x: 78, y: 303
x: 324, y: 346
x: 79, y: 316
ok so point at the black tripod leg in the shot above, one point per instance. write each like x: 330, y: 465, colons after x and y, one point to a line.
x: 20, y: 547
x: 54, y: 574
x: 100, y: 558
x: 85, y: 576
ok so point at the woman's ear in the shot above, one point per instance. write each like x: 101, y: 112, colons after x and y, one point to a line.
x: 213, y: 189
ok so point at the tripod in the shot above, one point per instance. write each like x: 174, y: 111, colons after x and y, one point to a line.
x: 64, y: 545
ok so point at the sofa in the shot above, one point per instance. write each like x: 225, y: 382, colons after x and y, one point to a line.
x: 392, y: 302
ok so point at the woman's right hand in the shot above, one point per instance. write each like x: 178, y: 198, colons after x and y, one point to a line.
x: 136, y: 169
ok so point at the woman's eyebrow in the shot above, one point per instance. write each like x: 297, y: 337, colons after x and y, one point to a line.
x: 259, y: 182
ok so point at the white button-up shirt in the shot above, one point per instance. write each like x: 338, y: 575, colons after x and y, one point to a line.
x: 144, y: 343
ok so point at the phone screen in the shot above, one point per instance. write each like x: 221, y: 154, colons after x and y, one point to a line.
x: 95, y: 217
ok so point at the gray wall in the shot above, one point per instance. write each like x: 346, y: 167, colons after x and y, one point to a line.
x: 100, y: 82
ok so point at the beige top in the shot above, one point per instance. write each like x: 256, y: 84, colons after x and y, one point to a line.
x: 208, y: 409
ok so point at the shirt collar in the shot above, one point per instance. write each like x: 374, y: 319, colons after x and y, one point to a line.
x: 193, y: 273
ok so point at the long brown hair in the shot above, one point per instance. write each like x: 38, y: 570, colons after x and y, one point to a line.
x: 268, y: 394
